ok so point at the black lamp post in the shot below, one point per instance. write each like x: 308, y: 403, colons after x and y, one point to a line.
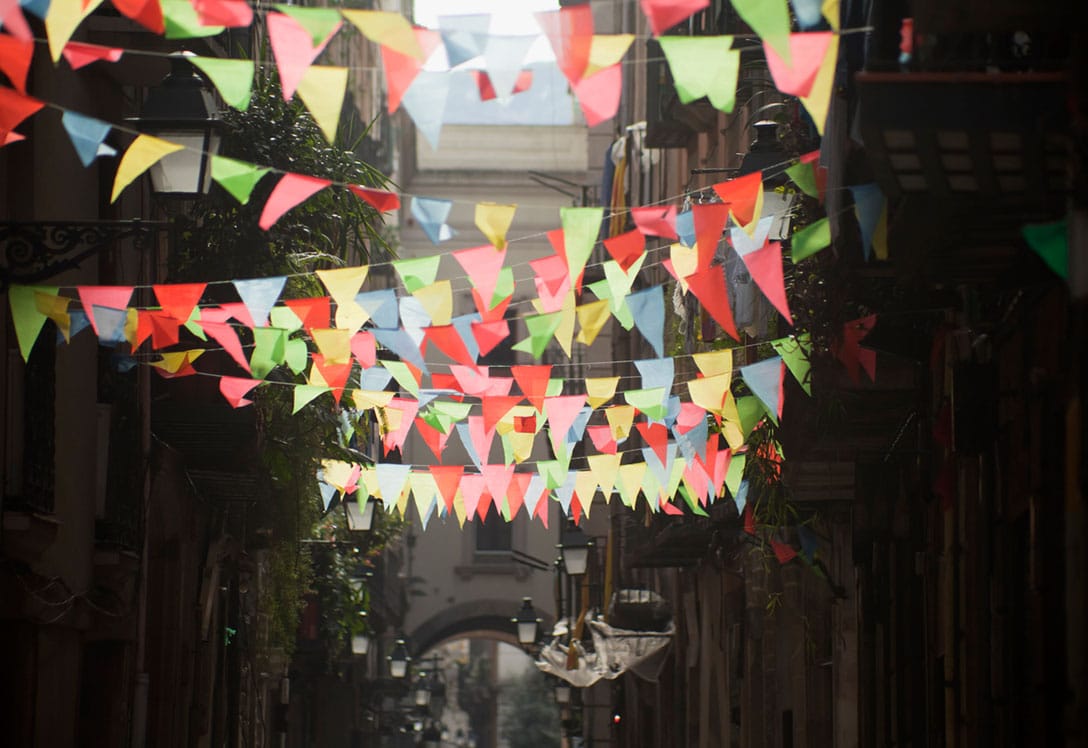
x: 360, y: 518
x: 574, y: 548
x: 528, y: 623
x: 399, y: 659
x: 182, y: 110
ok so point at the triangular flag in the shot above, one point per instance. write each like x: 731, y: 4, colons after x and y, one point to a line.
x: 607, y: 50
x: 764, y: 379
x: 533, y: 381
x: 431, y: 213
x: 599, y: 94
x: 561, y: 412
x: 61, y: 21
x: 580, y: 229
x: 322, y: 23
x: 448, y: 480
x: 294, y: 49
x: 770, y: 19
x: 232, y: 78
x: 386, y: 28
x: 709, y: 220
x: 488, y: 335
x: 810, y: 240
x: 570, y: 32
x: 291, y: 190
x: 704, y: 66
x: 304, y: 394
x: 599, y: 390
x: 417, y: 272
x: 145, y: 151
x: 620, y: 418
x: 236, y: 177
x: 495, y: 408
x: 869, y: 203
x: 819, y: 99
x: 380, y: 200
x: 181, y: 21
x: 807, y: 53
x: 179, y: 299
x: 541, y: 328
x: 463, y: 36
x: 648, y: 310
x: 656, y: 220
x: 626, y: 248
x: 112, y: 297
x: 424, y: 493
x: 482, y: 265
x: 425, y: 102
x: 15, y: 57
x: 80, y: 54
x: 1051, y: 242
x: 784, y: 553
x: 765, y: 265
x: 744, y: 196
x: 592, y: 317
x: 711, y: 363
x: 235, y: 389
x: 709, y: 288
x: 260, y: 295
x: 86, y: 134
x: 503, y: 57
x: 27, y: 318
x: 322, y: 90
x: 664, y: 14
x: 795, y: 354
x: 809, y: 176
x: 493, y: 221
x: 226, y: 13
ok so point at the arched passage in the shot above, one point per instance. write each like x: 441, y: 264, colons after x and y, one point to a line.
x: 477, y: 618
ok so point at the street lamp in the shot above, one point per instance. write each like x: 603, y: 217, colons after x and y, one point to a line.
x: 527, y: 622
x: 360, y: 519
x: 423, y: 691
x: 574, y: 548
x: 182, y: 110
x: 360, y: 644
x: 399, y: 659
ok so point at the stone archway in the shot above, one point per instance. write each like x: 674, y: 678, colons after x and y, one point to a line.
x: 476, y: 618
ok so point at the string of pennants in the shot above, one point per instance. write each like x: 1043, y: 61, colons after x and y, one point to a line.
x: 346, y: 327
x: 801, y: 64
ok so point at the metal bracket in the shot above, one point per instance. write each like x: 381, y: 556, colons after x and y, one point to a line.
x: 34, y: 251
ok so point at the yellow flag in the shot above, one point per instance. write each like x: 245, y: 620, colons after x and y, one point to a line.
x: 605, y: 468
x: 459, y: 508
x: 819, y: 98
x: 585, y: 485
x: 61, y: 21
x: 564, y: 333
x: 685, y: 260
x: 437, y: 300
x: 493, y: 221
x: 714, y: 362
x: 521, y: 445
x: 337, y: 473
x: 387, y: 29
x: 145, y: 152
x: 322, y: 91
x: 830, y: 10
x: 56, y: 308
x: 731, y: 426
x: 606, y: 50
x: 592, y: 317
x: 334, y: 344
x: 709, y: 392
x: 342, y: 285
x: 402, y: 500
x: 632, y: 476
x: 367, y: 399
x: 175, y: 361
x: 620, y: 418
x: 599, y: 390
x: 424, y: 490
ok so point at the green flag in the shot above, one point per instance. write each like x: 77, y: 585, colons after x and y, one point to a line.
x: 810, y: 240
x: 703, y: 66
x: 232, y: 78
x: 236, y: 177
x: 541, y: 329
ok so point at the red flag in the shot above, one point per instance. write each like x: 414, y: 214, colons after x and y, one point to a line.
x: 533, y: 381
x: 709, y: 288
x: 380, y: 200
x: 656, y: 220
x: 15, y: 57
x: 179, y: 299
x: 626, y: 248
x: 314, y: 312
x: 570, y: 31
x: 664, y: 14
x: 291, y: 190
x: 710, y: 221
x: 229, y: 13
x: 448, y: 478
x: 79, y: 54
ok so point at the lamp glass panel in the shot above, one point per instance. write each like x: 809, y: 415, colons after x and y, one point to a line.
x: 526, y: 632
x: 398, y: 668
x: 360, y: 644
x: 360, y: 520
x: 576, y: 560
x: 179, y: 173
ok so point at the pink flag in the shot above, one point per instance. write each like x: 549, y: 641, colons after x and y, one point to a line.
x: 291, y: 190
x: 656, y: 220
x: 79, y: 54
x: 599, y: 94
x: 807, y: 52
x: 112, y: 297
x: 294, y: 50
x: 490, y: 334
x: 229, y: 13
x: 235, y: 389
x: 561, y: 412
x: 664, y: 14
x: 765, y: 265
x: 482, y: 265
x: 380, y: 200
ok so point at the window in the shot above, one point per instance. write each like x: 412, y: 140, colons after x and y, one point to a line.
x: 495, y: 534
